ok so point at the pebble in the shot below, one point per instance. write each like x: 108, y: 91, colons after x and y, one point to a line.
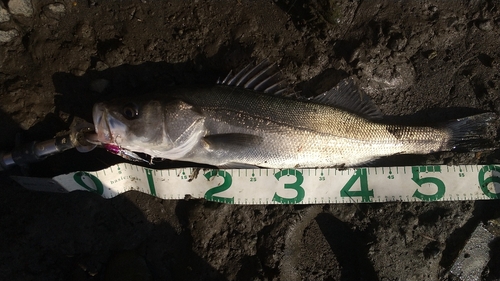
x: 54, y: 11
x: 485, y: 25
x: 77, y: 72
x: 56, y: 8
x: 100, y: 66
x: 7, y: 36
x: 4, y: 15
x: 21, y: 7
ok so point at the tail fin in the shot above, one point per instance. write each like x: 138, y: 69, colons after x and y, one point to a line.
x: 473, y: 133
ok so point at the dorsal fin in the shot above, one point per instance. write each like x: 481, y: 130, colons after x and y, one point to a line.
x: 348, y: 96
x: 264, y: 77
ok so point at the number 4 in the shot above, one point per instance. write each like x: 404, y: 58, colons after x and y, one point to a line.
x: 364, y: 192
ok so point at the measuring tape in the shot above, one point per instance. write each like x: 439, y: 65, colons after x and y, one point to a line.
x: 293, y: 186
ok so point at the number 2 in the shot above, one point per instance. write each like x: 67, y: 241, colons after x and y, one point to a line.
x: 228, y: 180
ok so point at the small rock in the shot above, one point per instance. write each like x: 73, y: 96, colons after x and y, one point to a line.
x: 4, y: 15
x: 85, y: 31
x: 485, y: 25
x: 21, y: 7
x: 56, y: 8
x: 430, y: 54
x: 397, y: 42
x: 7, y: 36
x: 460, y: 27
x: 100, y: 66
x: 77, y: 72
x: 474, y: 256
x: 54, y: 11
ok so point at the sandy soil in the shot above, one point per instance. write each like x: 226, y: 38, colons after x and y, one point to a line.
x: 431, y: 60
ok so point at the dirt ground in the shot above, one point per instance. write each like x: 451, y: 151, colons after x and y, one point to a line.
x: 431, y: 60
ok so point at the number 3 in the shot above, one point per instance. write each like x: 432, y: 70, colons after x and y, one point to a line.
x: 296, y: 186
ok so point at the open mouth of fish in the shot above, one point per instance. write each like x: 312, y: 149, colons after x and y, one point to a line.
x: 105, y: 124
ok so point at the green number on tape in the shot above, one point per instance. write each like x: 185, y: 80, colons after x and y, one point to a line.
x: 420, y: 181
x: 228, y: 180
x: 151, y: 182
x: 484, y: 182
x: 96, y: 187
x: 364, y: 192
x: 295, y: 186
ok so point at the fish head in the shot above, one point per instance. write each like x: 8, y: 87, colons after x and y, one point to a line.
x: 129, y: 123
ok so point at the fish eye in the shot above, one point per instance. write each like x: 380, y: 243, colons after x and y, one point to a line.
x: 130, y: 111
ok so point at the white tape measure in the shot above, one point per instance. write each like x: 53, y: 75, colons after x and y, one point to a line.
x: 295, y: 186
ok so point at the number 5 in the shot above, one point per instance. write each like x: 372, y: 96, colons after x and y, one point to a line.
x: 420, y: 181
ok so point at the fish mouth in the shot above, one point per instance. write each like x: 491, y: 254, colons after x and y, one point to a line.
x: 101, y: 124
x: 109, y: 129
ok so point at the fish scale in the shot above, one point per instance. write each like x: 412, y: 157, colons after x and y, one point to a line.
x: 341, y: 138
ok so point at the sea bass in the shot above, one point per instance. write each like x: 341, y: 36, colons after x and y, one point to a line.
x: 239, y: 123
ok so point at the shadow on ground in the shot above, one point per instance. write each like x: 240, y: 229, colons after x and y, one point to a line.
x: 80, y: 236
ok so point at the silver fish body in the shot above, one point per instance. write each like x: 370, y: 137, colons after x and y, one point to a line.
x: 227, y: 126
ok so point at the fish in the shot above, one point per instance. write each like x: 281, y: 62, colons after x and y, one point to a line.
x: 245, y: 121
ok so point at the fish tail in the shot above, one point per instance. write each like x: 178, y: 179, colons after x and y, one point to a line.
x: 472, y: 133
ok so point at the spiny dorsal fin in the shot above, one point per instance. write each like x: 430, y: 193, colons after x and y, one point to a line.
x: 348, y: 96
x: 264, y: 77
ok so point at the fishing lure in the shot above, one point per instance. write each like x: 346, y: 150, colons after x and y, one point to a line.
x: 125, y: 153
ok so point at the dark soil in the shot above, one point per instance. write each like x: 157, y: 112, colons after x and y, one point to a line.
x: 432, y: 60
